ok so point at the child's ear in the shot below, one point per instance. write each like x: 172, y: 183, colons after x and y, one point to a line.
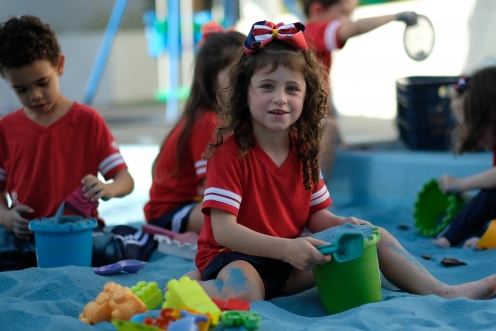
x: 61, y: 65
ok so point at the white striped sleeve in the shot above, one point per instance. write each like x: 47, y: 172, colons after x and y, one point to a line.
x: 223, y: 196
x: 110, y: 162
x: 331, y: 35
x: 319, y: 196
x: 201, y: 167
x: 3, y: 174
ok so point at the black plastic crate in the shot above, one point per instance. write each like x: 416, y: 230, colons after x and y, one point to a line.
x: 424, y: 118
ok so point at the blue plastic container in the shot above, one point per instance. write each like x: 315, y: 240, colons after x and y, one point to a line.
x: 63, y: 240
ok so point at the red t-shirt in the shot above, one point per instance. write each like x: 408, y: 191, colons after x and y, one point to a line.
x: 41, y: 166
x: 322, y: 38
x: 264, y: 197
x: 172, y: 188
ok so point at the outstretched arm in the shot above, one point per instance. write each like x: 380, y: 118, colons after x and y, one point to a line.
x: 299, y: 252
x: 361, y: 26
x: 483, y: 180
x: 122, y: 185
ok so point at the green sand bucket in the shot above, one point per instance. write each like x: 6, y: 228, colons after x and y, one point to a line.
x: 347, y: 285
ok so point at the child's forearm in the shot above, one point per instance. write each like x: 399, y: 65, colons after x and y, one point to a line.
x: 3, y: 208
x: 483, y: 180
x: 230, y: 234
x: 322, y: 220
x: 351, y: 29
x: 122, y: 184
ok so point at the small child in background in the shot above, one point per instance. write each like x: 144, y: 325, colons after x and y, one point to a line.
x: 179, y: 171
x: 328, y: 27
x: 264, y: 185
x: 474, y: 106
x: 50, y: 146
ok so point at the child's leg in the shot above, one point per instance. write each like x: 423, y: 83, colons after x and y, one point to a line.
x: 471, y: 218
x: 404, y: 271
x: 238, y: 280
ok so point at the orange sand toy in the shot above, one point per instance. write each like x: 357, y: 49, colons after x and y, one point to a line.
x: 114, y: 301
x: 488, y: 239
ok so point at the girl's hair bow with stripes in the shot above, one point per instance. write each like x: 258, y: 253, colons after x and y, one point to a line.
x: 264, y: 32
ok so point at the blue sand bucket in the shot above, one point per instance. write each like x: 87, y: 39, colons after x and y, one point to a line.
x: 63, y: 240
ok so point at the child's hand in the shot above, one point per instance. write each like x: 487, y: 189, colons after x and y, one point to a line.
x: 95, y: 189
x: 472, y: 242
x: 302, y: 254
x: 14, y: 221
x: 409, y: 17
x: 356, y: 221
x: 450, y: 184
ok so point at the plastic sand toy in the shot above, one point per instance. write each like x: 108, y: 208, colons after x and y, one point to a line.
x: 434, y: 210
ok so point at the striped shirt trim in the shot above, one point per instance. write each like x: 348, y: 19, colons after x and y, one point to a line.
x: 319, y: 192
x: 319, y: 200
x: 331, y: 36
x: 200, y: 171
x: 218, y: 198
x: 201, y: 163
x: 219, y: 191
x: 3, y: 174
x: 110, y: 162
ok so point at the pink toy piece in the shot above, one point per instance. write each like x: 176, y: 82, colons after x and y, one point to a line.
x: 131, y: 266
x: 80, y: 205
x: 153, y: 229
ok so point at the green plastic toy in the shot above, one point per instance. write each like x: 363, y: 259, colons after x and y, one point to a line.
x: 347, y: 247
x: 434, y: 210
x: 234, y: 318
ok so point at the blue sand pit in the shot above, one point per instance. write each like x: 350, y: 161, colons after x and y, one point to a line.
x: 379, y: 187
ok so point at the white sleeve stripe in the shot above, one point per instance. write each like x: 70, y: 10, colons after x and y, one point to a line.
x: 330, y: 35
x: 109, y: 160
x: 319, y: 192
x: 218, y: 198
x: 319, y: 200
x: 200, y: 171
x: 201, y: 163
x: 220, y: 191
x: 112, y: 166
x: 3, y: 172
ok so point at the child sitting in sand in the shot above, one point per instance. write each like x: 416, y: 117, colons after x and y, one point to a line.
x: 474, y: 106
x: 50, y: 146
x: 179, y: 171
x: 264, y: 185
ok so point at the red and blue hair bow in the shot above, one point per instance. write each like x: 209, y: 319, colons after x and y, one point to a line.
x: 264, y: 32
x: 462, y: 84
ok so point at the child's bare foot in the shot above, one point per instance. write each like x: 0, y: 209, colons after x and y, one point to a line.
x: 483, y: 289
x: 472, y: 243
x: 442, y: 242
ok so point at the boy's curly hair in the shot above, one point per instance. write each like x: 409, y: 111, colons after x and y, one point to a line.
x: 307, y: 3
x: 307, y: 130
x: 24, y: 40
x: 479, y: 109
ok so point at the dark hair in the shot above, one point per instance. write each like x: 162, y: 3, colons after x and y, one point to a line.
x: 479, y: 109
x: 307, y: 130
x: 217, y: 52
x: 307, y: 3
x: 24, y: 40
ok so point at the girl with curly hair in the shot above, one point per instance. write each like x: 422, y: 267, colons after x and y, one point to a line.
x: 264, y: 186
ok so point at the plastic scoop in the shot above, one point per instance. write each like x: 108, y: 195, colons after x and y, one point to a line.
x: 347, y: 247
x: 131, y: 266
x: 79, y: 204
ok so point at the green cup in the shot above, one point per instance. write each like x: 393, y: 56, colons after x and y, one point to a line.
x: 347, y: 285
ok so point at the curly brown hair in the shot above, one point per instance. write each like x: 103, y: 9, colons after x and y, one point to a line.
x: 307, y: 3
x: 24, y: 40
x: 307, y: 130
x: 479, y: 109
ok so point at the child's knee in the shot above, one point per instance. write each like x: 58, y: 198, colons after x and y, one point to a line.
x: 241, y: 281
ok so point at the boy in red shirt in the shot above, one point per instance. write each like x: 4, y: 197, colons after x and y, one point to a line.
x: 51, y: 145
x: 328, y: 27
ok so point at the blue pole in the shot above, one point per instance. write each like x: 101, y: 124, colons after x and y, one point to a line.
x: 104, y: 51
x: 172, y: 106
x: 231, y: 13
